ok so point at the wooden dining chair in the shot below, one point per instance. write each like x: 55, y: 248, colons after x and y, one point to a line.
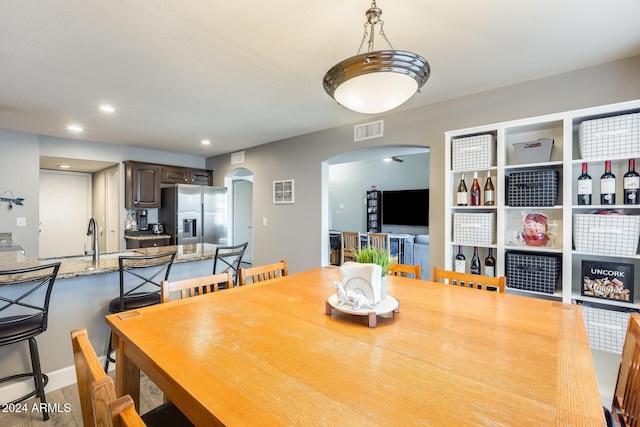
x: 96, y: 390
x: 262, y: 273
x: 195, y: 286
x: 626, y: 396
x: 123, y: 413
x: 349, y: 245
x: 476, y: 281
x: 381, y: 241
x: 404, y: 270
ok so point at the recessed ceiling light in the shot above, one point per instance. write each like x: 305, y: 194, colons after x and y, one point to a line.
x: 64, y: 166
x: 106, y: 108
x: 205, y: 142
x: 75, y: 128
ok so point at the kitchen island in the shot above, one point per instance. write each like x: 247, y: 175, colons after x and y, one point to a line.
x: 80, y: 298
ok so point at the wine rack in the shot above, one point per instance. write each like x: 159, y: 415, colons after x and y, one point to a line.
x: 565, y: 162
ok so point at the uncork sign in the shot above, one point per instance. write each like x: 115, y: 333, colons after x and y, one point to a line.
x: 607, y: 280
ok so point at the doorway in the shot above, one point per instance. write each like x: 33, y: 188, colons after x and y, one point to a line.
x: 242, y: 216
x: 65, y: 207
x: 240, y: 184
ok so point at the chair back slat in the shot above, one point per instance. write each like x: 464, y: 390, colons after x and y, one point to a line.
x: 263, y: 272
x: 476, y: 281
x: 404, y: 270
x: 349, y: 245
x: 626, y: 398
x: 196, y: 286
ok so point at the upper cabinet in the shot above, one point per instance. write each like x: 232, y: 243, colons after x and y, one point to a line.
x: 180, y: 175
x: 201, y: 176
x: 546, y: 240
x: 142, y: 185
x: 144, y: 180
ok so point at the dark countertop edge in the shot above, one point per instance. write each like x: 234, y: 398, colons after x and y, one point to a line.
x: 72, y: 267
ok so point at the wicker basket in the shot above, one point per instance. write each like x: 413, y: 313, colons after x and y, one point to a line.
x: 536, y: 188
x: 610, y: 137
x: 538, y: 273
x: 606, y: 234
x: 473, y: 152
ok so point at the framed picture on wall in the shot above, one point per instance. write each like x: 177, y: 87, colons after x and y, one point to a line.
x: 283, y: 191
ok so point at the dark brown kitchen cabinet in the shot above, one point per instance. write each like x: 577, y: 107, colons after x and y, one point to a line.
x: 180, y: 175
x: 147, y: 243
x: 142, y: 185
x: 176, y: 175
x: 201, y: 177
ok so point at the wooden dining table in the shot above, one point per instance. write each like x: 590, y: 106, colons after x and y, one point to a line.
x: 268, y: 354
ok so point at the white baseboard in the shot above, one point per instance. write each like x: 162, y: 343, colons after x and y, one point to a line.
x: 57, y: 379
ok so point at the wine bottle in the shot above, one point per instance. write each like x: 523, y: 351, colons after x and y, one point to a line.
x: 462, y: 194
x: 489, y: 191
x: 490, y: 264
x: 607, y: 185
x: 460, y: 261
x: 584, y: 186
x: 631, y: 184
x: 475, y: 191
x: 474, y: 267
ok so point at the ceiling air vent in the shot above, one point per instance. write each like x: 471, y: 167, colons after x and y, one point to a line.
x: 368, y: 130
x: 237, y: 157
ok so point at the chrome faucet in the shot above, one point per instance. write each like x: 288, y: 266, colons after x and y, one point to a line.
x: 93, y: 229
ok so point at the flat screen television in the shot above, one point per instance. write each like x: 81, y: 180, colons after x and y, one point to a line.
x: 405, y: 207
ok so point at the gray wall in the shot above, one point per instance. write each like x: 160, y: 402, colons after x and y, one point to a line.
x: 20, y: 157
x: 348, y: 183
x: 297, y: 232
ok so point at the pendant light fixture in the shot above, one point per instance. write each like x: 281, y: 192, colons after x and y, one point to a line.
x: 377, y: 80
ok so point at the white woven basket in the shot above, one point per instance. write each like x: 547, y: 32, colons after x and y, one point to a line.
x: 606, y: 234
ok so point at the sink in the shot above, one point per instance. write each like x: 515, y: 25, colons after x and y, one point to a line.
x: 75, y: 258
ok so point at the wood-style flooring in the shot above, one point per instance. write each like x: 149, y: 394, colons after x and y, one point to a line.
x: 69, y: 413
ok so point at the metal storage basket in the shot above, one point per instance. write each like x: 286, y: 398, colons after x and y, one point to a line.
x: 473, y: 152
x: 473, y: 229
x: 606, y: 234
x: 606, y: 327
x: 610, y: 137
x: 538, y: 273
x: 535, y: 188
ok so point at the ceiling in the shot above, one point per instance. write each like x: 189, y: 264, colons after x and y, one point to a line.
x: 244, y: 73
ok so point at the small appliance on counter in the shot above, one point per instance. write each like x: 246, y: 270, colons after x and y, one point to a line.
x: 143, y: 220
x: 157, y: 228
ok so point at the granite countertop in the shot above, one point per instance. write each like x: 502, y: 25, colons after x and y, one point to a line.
x: 76, y: 266
x: 148, y: 236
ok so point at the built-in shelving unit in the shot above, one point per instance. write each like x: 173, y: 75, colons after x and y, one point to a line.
x: 565, y: 158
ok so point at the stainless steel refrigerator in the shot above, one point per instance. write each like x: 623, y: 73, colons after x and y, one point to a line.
x: 194, y: 214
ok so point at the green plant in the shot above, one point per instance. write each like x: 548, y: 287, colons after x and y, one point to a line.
x: 371, y: 255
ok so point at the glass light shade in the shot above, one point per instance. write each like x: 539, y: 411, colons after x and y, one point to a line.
x: 377, y: 81
x: 376, y: 92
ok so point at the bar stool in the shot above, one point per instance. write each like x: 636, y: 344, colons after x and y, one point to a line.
x: 24, y: 304
x: 140, y: 278
x: 229, y: 258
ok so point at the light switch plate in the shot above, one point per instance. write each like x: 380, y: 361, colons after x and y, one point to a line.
x: 21, y: 222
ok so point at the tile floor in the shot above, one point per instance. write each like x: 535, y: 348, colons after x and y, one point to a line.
x: 68, y: 404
